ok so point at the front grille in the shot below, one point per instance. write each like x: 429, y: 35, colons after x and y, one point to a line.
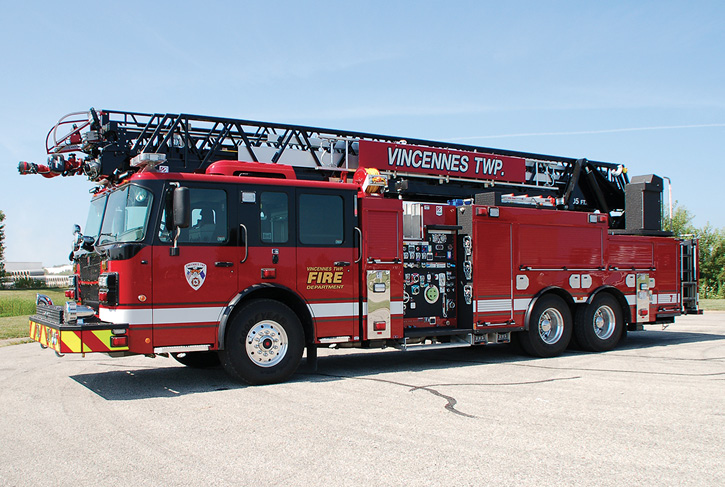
x: 89, y: 295
x: 90, y: 269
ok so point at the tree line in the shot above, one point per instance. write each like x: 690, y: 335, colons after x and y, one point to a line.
x: 2, y: 244
x: 712, y: 250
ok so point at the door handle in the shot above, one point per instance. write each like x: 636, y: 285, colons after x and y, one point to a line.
x: 246, y: 244
x: 359, y: 246
x: 223, y: 264
x: 341, y: 263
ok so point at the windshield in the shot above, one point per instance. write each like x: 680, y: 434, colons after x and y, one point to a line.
x: 126, y: 215
x: 95, y: 217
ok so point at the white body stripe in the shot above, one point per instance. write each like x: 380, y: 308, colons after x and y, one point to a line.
x: 666, y: 298
x: 146, y: 316
x: 488, y: 305
x: 141, y: 316
x: 521, y: 304
x: 497, y: 305
x: 396, y: 308
x: 187, y: 315
x: 331, y: 310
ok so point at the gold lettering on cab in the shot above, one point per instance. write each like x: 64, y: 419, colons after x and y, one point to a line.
x: 324, y: 278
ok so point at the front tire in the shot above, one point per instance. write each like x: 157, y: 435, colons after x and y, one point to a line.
x: 264, y: 343
x: 598, y: 326
x: 550, y: 328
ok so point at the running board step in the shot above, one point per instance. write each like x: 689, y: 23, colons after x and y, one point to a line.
x: 436, y: 332
x: 461, y: 338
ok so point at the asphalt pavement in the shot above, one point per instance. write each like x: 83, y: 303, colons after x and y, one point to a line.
x: 647, y: 413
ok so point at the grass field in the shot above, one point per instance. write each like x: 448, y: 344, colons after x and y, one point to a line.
x: 22, y: 302
x: 712, y: 304
x: 17, y: 305
x: 14, y: 327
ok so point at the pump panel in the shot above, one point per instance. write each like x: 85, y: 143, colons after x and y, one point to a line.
x: 430, y: 279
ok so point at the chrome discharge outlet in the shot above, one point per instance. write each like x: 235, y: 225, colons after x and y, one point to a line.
x: 75, y: 311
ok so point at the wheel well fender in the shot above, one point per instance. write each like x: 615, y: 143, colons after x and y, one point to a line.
x: 616, y: 294
x: 268, y: 291
x: 562, y: 293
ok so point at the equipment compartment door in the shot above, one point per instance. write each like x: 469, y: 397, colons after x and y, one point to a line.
x: 382, y: 266
x: 493, y: 273
x: 327, y: 275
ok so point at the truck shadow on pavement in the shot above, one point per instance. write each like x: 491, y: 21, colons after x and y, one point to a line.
x: 656, y: 337
x: 170, y: 379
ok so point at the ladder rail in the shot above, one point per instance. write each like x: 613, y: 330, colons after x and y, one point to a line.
x: 129, y: 119
x: 193, y: 142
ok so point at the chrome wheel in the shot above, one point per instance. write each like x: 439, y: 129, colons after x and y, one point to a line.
x: 600, y: 324
x: 264, y: 343
x: 267, y: 343
x: 604, y: 322
x: 551, y: 326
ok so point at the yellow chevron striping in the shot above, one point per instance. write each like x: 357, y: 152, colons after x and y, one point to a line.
x: 105, y: 337
x: 71, y: 340
x: 85, y: 346
x: 55, y: 343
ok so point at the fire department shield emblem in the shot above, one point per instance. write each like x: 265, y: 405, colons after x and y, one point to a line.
x: 195, y: 274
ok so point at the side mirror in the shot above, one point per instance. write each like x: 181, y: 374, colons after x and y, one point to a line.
x: 182, y: 207
x: 88, y: 243
x: 77, y: 238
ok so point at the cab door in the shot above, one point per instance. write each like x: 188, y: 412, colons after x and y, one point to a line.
x: 327, y: 261
x: 191, y: 289
x: 267, y: 250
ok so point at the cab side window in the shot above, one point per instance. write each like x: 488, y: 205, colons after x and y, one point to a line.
x: 209, y: 223
x: 321, y: 219
x: 273, y: 217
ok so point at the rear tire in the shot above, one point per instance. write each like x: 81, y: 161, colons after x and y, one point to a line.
x: 598, y: 326
x: 198, y: 360
x: 550, y: 328
x: 264, y: 343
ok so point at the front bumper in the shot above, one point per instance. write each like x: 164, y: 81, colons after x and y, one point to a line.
x: 75, y: 338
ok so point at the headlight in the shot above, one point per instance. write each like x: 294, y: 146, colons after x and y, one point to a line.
x: 108, y: 288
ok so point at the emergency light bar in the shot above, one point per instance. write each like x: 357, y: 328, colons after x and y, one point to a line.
x: 146, y: 159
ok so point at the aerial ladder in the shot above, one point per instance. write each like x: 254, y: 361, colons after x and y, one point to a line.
x: 108, y: 145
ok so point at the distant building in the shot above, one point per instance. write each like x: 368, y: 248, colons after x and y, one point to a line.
x: 16, y: 270
x: 55, y: 276
x: 66, y: 269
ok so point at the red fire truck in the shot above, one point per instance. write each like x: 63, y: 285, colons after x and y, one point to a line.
x: 222, y: 240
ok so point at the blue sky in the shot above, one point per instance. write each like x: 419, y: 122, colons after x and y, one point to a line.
x: 639, y: 83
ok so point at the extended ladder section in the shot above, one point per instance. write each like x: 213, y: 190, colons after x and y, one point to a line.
x: 117, y: 143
